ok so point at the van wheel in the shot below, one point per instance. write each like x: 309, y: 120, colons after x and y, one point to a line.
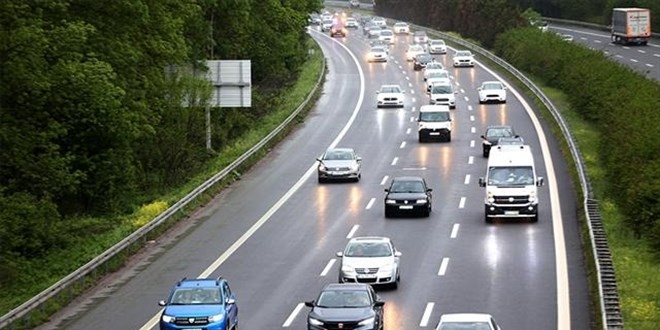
x: 535, y: 218
x: 488, y: 219
x: 449, y: 137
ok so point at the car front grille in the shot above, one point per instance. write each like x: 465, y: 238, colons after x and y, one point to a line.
x: 187, y: 321
x: 366, y: 270
x: 391, y: 98
x: 340, y: 325
x: 510, y: 200
x: 442, y: 100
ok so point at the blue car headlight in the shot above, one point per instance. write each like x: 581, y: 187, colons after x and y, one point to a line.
x: 168, y: 319
x: 216, y: 318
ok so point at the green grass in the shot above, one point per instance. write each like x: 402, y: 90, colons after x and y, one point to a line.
x: 38, y: 275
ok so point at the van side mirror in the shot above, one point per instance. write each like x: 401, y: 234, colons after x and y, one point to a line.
x: 482, y: 182
x: 539, y: 181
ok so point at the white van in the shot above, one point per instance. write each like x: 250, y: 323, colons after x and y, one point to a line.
x: 511, y: 183
x: 434, y: 122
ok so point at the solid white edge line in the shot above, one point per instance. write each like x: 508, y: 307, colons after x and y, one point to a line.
x: 371, y: 203
x: 328, y: 266
x: 293, y: 315
x: 352, y: 232
x: 427, y: 315
x: 241, y: 240
x: 443, y: 267
x: 454, y: 230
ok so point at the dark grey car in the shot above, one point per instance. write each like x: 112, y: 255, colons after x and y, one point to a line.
x: 346, y: 306
x: 493, y: 134
x: 408, y: 194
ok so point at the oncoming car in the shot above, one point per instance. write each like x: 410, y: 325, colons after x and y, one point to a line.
x: 206, y: 303
x: 492, y: 136
x: 421, y: 60
x: 492, y: 91
x: 412, y: 51
x: 346, y: 306
x: 420, y: 37
x: 370, y: 259
x: 408, y: 194
x: 401, y: 28
x: 437, y: 46
x: 339, y: 164
x: 476, y: 321
x: 377, y: 54
x: 443, y: 93
x: 463, y: 58
x: 390, y: 96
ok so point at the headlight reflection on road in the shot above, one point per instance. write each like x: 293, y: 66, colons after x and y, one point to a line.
x: 392, y: 315
x: 321, y: 208
x: 355, y: 200
x: 492, y: 249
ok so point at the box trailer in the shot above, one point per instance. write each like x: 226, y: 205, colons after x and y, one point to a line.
x: 631, y: 26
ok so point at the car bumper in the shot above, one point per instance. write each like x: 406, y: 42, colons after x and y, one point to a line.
x: 492, y: 98
x: 438, y: 133
x: 437, y: 51
x: 375, y: 280
x: 338, y: 175
x: 335, y: 325
x: 450, y: 103
x: 394, y: 104
x: 511, y: 211
x: 213, y: 326
x: 464, y: 63
x: 406, y: 208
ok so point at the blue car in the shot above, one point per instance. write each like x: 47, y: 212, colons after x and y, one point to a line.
x: 201, y: 303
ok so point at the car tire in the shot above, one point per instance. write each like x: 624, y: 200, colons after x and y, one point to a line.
x: 448, y: 137
x: 488, y: 219
x: 485, y: 152
x: 388, y: 214
x: 534, y: 218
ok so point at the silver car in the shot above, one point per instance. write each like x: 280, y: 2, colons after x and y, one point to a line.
x: 370, y: 259
x: 339, y: 164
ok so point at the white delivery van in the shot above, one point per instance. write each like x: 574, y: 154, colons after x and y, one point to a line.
x: 434, y: 122
x: 511, y: 183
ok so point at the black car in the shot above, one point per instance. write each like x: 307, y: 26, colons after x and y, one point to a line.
x: 408, y: 194
x: 492, y: 136
x: 421, y: 60
x: 346, y: 306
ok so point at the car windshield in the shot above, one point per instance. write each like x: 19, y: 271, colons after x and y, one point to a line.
x: 464, y: 326
x: 390, y: 89
x: 416, y: 48
x: 386, y: 33
x: 490, y: 86
x: 338, y: 155
x: 434, y: 116
x: 344, y: 299
x: 437, y: 42
x: 439, y: 74
x: 441, y: 89
x: 513, y: 175
x: 463, y: 54
x: 368, y: 250
x: 499, y: 132
x: 424, y: 58
x: 407, y: 187
x: 196, y: 296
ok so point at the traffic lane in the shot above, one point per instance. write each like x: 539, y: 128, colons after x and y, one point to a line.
x: 135, y: 298
x: 644, y: 59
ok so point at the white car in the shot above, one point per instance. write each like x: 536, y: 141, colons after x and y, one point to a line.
x: 370, y: 259
x: 443, y: 93
x: 492, y: 91
x: 433, y: 66
x: 566, y: 37
x: 377, y: 54
x: 412, y: 51
x: 326, y: 25
x: 339, y: 164
x: 435, y: 77
x: 390, y: 96
x: 401, y: 28
x: 386, y: 35
x: 379, y: 21
x: 463, y: 58
x: 467, y: 321
x: 437, y: 46
x: 351, y: 22
x: 420, y: 37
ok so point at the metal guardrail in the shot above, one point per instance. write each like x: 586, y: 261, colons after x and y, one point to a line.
x: 609, y: 296
x: 22, y: 312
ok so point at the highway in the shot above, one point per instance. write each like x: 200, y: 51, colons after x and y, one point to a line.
x: 274, y: 233
x: 643, y: 59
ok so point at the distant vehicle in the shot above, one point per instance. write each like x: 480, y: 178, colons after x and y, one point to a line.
x: 437, y: 46
x: 314, y: 19
x: 326, y: 25
x: 339, y: 164
x: 492, y: 136
x: 346, y: 306
x: 338, y: 29
x: 476, y: 321
x: 431, y: 67
x: 492, y: 91
x: 436, y: 76
x: 401, y: 28
x: 386, y: 35
x: 370, y: 259
x: 379, y: 21
x: 374, y: 32
x: 408, y: 194
x: 390, y: 96
x: 412, y: 51
x: 631, y: 25
x: 205, y: 303
x: 434, y: 121
x: 463, y: 58
x: 351, y: 22
x: 377, y: 54
x: 511, y: 184
x: 354, y: 3
x: 420, y: 37
x: 443, y: 93
x: 421, y: 60
x: 566, y: 37
x: 380, y: 43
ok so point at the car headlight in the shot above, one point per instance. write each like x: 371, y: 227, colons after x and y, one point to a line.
x: 386, y: 269
x: 369, y: 321
x: 322, y: 168
x: 168, y: 319
x: 346, y: 269
x: 490, y: 198
x: 216, y: 318
x: 313, y: 321
x: 532, y: 196
x: 390, y: 201
x: 421, y: 201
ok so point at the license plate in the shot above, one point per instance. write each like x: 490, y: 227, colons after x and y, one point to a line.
x: 511, y: 212
x: 405, y: 207
x: 366, y: 276
x: 435, y: 133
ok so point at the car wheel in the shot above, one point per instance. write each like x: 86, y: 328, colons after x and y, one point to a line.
x: 449, y: 137
x: 388, y: 213
x: 485, y: 152
x: 488, y: 219
x: 535, y: 218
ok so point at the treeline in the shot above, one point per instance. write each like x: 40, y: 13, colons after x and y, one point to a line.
x: 91, y: 94
x: 621, y: 103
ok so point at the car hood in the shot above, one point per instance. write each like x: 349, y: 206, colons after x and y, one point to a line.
x: 193, y: 310
x: 370, y: 262
x: 342, y: 314
x: 339, y: 163
x: 431, y: 81
x: 406, y: 196
x: 390, y: 94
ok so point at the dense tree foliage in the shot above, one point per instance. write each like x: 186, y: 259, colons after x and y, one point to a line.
x: 92, y: 120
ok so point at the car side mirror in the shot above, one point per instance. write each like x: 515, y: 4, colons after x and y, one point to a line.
x: 379, y: 303
x: 387, y: 190
x: 339, y: 254
x: 230, y: 301
x: 377, y: 92
x: 162, y: 303
x: 480, y: 89
x: 309, y: 303
x: 397, y: 253
x: 359, y: 159
x: 482, y: 182
x: 319, y: 160
x: 483, y: 137
x: 539, y: 181
x: 429, y: 189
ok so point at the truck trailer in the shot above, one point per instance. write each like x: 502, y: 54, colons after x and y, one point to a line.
x: 631, y: 26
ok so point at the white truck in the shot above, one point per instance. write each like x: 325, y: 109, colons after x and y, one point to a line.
x: 631, y: 25
x: 511, y: 184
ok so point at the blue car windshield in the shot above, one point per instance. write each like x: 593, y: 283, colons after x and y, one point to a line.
x: 196, y: 296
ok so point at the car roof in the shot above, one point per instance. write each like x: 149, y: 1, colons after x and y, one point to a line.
x: 346, y: 286
x: 499, y: 127
x: 407, y: 178
x: 200, y: 282
x: 465, y: 317
x: 434, y: 108
x: 370, y: 239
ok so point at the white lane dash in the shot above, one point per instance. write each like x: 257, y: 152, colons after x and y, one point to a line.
x: 403, y: 145
x: 461, y: 203
x: 352, y: 232
x: 471, y: 118
x: 641, y: 51
x: 443, y: 267
x: 649, y: 65
x: 472, y: 144
x: 414, y: 100
x: 328, y: 266
x: 427, y: 315
x: 454, y: 231
x: 473, y: 130
x: 626, y: 47
x: 395, y: 160
x: 462, y: 91
x: 293, y: 315
x: 619, y: 56
x: 382, y: 182
x: 597, y: 41
x: 410, y: 84
x: 471, y: 159
x: 412, y: 92
x: 467, y: 179
x: 407, y: 78
x: 469, y: 108
x: 408, y: 130
x: 656, y: 55
x: 467, y: 99
x: 457, y: 83
x: 412, y: 119
x: 634, y: 60
x: 413, y: 108
x: 371, y: 203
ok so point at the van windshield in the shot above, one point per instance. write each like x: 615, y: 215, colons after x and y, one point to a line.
x: 434, y: 116
x: 511, y: 176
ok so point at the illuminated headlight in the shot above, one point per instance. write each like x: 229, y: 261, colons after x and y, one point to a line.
x: 168, y: 319
x: 354, y: 167
x: 386, y: 270
x: 532, y: 197
x: 421, y: 201
x: 314, y: 321
x: 390, y: 201
x: 490, y: 198
x: 369, y: 321
x: 216, y: 318
x: 348, y: 270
